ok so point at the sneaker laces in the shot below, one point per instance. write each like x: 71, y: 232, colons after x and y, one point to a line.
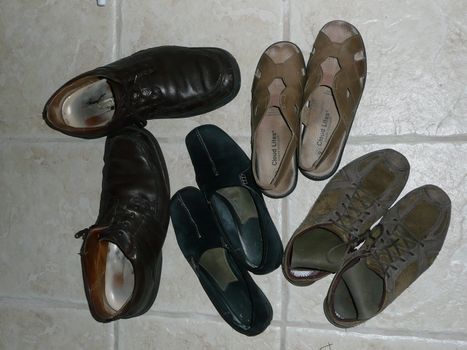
x: 391, y: 246
x: 351, y: 209
x: 354, y: 205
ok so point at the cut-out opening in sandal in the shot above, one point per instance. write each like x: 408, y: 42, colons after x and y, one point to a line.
x: 281, y: 52
x: 109, y: 275
x: 238, y: 215
x: 339, y: 31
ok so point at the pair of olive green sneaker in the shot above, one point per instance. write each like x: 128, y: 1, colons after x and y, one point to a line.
x: 373, y: 264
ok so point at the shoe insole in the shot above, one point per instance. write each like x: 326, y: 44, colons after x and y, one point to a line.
x: 109, y: 275
x: 238, y: 216
x: 319, y: 119
x: 359, y: 293
x: 339, y: 31
x: 272, y: 138
x: 92, y: 105
x: 319, y: 116
x: 215, y: 263
x: 316, y: 249
x: 119, y: 278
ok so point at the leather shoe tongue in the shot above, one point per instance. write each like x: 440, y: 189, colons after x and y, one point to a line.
x: 365, y: 287
x: 120, y: 239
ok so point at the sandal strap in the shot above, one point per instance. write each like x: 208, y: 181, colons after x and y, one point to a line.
x: 347, y: 85
x: 289, y: 102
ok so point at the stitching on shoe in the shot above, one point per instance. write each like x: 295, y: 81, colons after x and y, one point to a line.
x: 213, y: 165
x: 182, y: 203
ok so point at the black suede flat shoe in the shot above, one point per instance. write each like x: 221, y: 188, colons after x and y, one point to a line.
x: 223, y: 173
x: 232, y: 291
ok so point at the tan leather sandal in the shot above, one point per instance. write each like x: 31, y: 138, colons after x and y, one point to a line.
x: 276, y: 100
x: 336, y: 74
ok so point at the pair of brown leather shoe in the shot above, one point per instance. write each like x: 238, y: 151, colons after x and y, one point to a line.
x: 301, y: 117
x: 121, y: 254
x: 395, y: 251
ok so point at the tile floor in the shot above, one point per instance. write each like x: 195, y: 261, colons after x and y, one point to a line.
x: 415, y: 101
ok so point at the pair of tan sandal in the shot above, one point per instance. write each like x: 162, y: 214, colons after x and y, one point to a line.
x: 301, y: 116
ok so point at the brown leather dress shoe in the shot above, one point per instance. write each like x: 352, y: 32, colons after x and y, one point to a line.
x: 352, y: 201
x: 121, y: 253
x: 161, y: 82
x: 275, y: 128
x: 400, y: 248
x: 336, y: 74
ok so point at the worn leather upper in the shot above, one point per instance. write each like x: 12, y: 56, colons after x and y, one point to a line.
x: 417, y: 226
x: 355, y: 198
x: 400, y: 248
x: 161, y: 82
x: 133, y: 213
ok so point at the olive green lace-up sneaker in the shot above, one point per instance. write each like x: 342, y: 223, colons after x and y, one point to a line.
x: 353, y: 200
x: 400, y: 248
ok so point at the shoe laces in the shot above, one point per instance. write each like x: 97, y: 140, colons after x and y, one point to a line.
x: 390, y: 246
x: 124, y: 216
x: 353, y: 208
x: 351, y: 213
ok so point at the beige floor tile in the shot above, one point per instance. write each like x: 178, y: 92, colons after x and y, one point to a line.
x: 310, y: 339
x: 415, y: 309
x: 49, y: 192
x: 244, y: 28
x: 162, y: 333
x: 43, y: 45
x: 27, y: 327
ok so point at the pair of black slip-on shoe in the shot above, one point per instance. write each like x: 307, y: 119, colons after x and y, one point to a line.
x: 224, y: 229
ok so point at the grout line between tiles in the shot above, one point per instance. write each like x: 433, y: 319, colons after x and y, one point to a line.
x: 116, y: 331
x: 42, y: 303
x: 283, y: 324
x: 406, y: 139
x: 19, y: 140
x: 355, y: 140
x: 118, y: 29
x: 451, y: 336
x: 193, y: 316
x: 114, y: 31
x: 284, y: 286
x: 184, y: 315
x: 286, y: 20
